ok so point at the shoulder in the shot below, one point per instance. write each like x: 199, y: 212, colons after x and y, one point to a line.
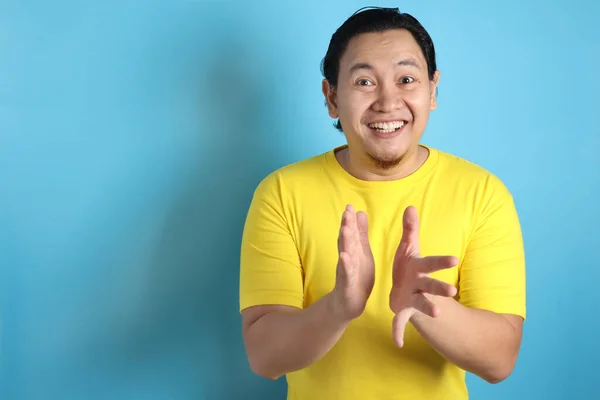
x: 471, y: 177
x: 292, y: 177
x: 278, y: 195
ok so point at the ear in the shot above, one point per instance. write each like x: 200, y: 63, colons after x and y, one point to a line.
x: 433, y: 90
x: 330, y: 98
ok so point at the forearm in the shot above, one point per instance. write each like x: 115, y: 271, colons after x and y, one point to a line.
x: 481, y: 342
x: 283, y: 342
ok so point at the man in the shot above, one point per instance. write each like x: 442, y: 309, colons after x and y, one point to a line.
x: 423, y: 278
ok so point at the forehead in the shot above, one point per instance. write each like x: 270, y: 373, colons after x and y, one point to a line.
x: 386, y: 46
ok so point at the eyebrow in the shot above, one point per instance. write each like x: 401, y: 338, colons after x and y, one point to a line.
x: 409, y: 62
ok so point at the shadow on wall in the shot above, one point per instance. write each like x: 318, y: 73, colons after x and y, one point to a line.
x: 191, y: 314
x: 196, y: 268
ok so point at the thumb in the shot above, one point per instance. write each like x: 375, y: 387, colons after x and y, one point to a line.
x: 399, y: 325
x: 410, y: 231
x: 363, y: 229
x: 346, y: 270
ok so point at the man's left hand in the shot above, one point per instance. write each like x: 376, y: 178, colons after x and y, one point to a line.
x: 410, y: 278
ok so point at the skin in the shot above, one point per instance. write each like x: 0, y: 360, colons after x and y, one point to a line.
x: 479, y: 341
x: 383, y: 77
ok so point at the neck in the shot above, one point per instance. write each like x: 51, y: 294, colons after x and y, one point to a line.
x: 364, y: 168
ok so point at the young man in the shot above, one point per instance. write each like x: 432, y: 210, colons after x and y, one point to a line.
x: 383, y: 269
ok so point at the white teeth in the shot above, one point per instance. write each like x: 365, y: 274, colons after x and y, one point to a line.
x: 387, y: 126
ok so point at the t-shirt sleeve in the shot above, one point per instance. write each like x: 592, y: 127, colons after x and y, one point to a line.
x: 270, y: 267
x: 492, y: 274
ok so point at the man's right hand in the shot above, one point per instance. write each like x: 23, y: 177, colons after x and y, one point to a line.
x: 355, y: 274
x: 281, y: 339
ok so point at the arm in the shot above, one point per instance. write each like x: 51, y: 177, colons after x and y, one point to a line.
x: 481, y: 331
x: 281, y: 339
x: 280, y: 333
x: 479, y: 341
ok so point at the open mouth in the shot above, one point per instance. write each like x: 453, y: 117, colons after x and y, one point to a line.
x: 386, y: 129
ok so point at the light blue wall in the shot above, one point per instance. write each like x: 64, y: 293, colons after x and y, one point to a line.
x: 132, y: 134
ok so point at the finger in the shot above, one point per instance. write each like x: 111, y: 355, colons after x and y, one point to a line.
x: 431, y: 264
x: 399, y: 325
x: 363, y: 229
x: 409, y: 243
x: 343, y: 223
x: 347, y: 270
x: 426, y: 306
x: 347, y: 215
x: 348, y: 242
x: 435, y: 287
x: 353, y: 223
x: 346, y: 222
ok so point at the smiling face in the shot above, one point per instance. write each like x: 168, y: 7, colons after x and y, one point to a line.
x: 383, y: 97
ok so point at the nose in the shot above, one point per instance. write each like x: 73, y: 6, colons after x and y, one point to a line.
x: 389, y: 99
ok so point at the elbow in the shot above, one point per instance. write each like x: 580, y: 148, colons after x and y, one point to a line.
x: 504, y: 364
x: 264, y: 373
x: 496, y: 377
x: 500, y: 372
x: 261, y: 368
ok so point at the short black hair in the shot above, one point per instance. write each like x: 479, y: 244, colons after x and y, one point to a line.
x: 370, y: 20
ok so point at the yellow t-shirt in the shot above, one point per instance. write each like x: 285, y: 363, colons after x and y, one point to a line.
x: 289, y: 256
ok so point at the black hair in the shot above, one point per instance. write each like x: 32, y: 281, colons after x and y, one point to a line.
x: 370, y: 20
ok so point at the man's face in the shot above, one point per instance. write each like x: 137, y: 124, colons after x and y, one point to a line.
x: 384, y: 95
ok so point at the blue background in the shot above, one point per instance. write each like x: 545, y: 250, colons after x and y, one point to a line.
x: 133, y: 133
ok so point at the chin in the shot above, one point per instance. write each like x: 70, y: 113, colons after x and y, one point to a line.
x: 386, y: 161
x: 389, y: 152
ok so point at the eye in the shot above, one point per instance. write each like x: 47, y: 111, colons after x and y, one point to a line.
x: 407, y: 79
x: 364, y: 82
